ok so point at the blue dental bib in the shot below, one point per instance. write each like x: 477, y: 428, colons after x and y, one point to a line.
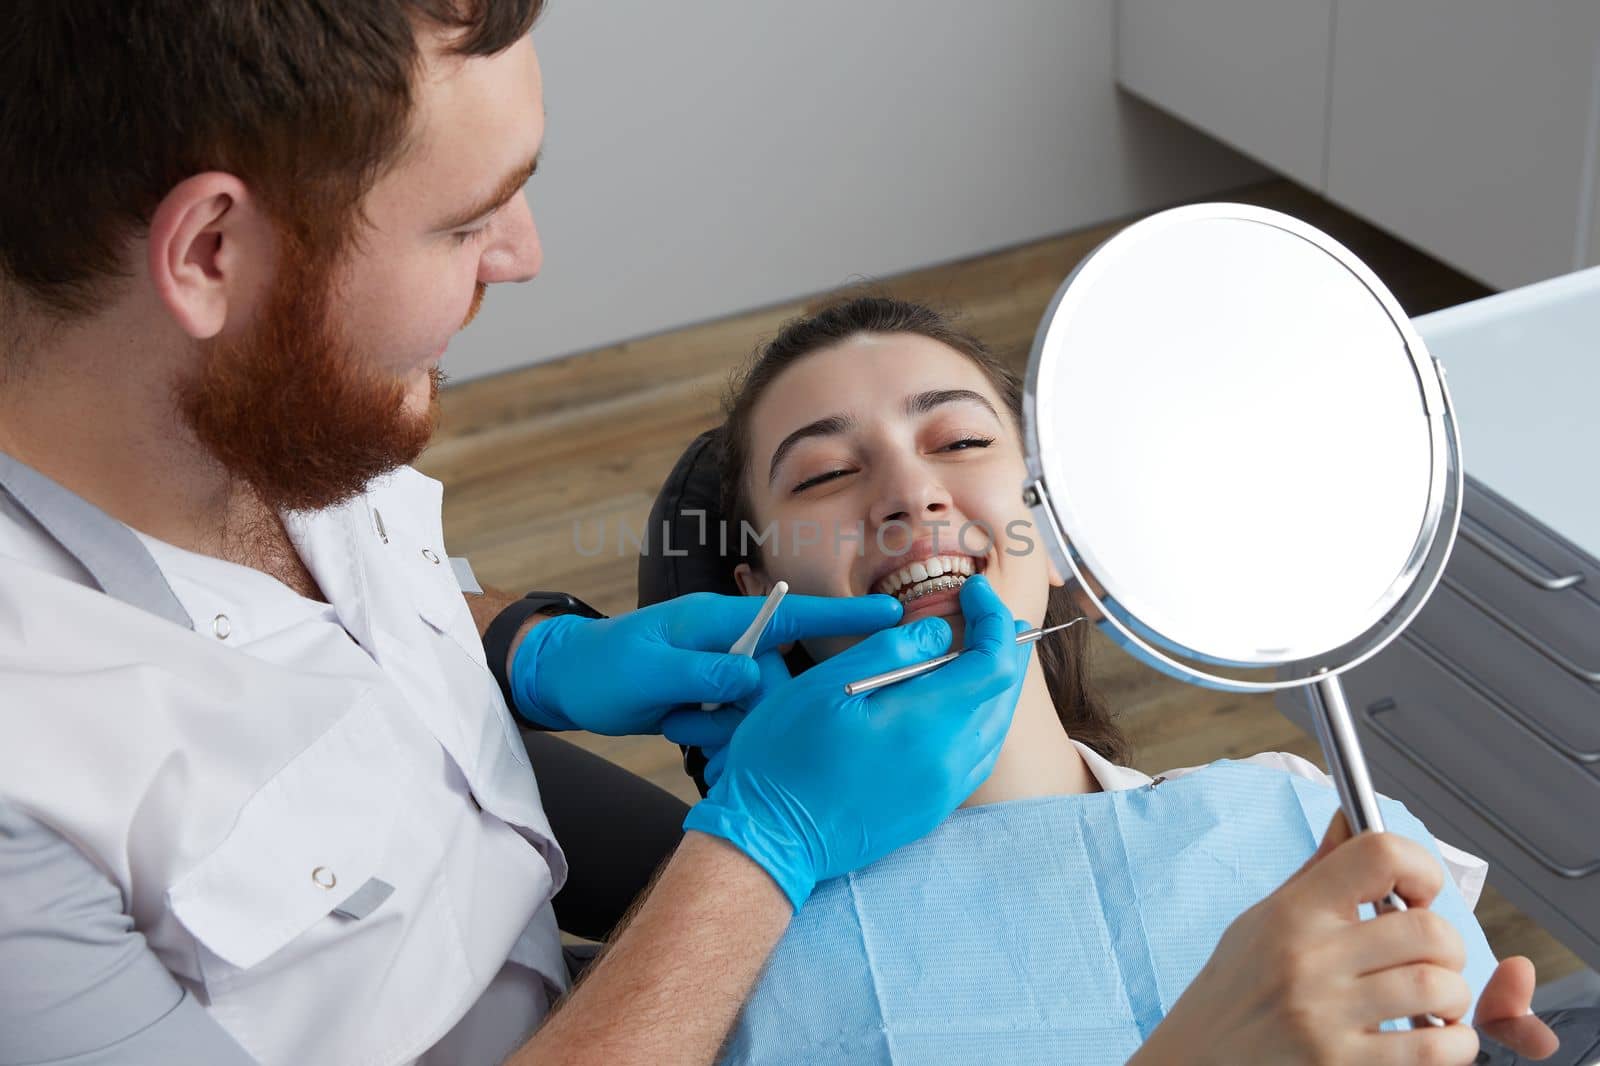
x: 1053, y: 930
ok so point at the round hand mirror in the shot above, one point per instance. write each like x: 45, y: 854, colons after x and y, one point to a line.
x: 1239, y: 447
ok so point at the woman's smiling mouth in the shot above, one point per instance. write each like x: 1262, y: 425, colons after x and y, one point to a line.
x: 914, y: 581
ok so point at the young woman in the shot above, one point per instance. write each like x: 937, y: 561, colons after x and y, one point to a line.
x: 874, y: 448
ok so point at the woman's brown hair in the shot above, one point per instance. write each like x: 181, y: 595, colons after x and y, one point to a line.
x: 1063, y: 655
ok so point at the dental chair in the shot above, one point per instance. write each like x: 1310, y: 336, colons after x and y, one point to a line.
x: 681, y: 551
x: 614, y: 827
x: 688, y: 497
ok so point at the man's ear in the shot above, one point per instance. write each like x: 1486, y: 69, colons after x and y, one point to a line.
x: 751, y: 582
x: 210, y: 250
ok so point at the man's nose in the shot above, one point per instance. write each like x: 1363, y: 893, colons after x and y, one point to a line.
x: 514, y: 253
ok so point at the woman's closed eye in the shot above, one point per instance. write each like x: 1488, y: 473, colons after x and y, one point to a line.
x: 828, y: 475
x: 958, y: 445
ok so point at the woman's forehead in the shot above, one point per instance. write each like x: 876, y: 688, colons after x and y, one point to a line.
x: 868, y: 377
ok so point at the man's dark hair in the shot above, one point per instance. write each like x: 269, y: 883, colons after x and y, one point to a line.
x: 105, y: 105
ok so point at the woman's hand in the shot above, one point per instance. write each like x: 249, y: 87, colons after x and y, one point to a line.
x: 1505, y: 1011
x: 1300, y: 977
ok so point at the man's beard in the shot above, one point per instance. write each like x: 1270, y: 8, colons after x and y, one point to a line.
x: 293, y: 410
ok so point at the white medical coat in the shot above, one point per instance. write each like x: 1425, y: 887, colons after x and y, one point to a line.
x: 244, y: 780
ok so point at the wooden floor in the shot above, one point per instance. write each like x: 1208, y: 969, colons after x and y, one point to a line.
x: 533, y: 458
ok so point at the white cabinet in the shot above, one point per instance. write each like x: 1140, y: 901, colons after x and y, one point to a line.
x: 1470, y: 128
x: 1253, y: 73
x: 1467, y: 127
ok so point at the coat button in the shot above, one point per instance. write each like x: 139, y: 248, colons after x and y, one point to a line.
x: 427, y: 553
x: 324, y: 877
x: 221, y: 626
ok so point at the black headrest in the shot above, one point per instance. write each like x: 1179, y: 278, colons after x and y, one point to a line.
x: 681, y: 551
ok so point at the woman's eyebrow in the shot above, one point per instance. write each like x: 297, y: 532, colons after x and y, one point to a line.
x: 916, y: 404
x: 923, y: 402
x: 822, y: 427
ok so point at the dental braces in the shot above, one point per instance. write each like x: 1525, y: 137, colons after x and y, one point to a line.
x: 942, y: 583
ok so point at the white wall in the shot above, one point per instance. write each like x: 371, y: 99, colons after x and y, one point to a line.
x: 705, y: 157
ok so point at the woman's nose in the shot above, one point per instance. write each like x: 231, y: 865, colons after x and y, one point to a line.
x: 514, y: 252
x: 911, y: 495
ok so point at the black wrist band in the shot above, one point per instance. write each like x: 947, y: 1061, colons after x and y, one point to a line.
x: 498, y: 636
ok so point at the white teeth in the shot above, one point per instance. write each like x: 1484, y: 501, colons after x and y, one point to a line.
x: 941, y: 567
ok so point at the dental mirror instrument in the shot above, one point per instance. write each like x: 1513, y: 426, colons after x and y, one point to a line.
x: 902, y: 673
x: 746, y: 644
x: 1275, y: 479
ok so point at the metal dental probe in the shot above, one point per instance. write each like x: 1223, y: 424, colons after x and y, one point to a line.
x: 889, y: 677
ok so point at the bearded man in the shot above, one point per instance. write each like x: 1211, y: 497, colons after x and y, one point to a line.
x: 262, y: 794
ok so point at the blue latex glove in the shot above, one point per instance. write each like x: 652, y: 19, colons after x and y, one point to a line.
x: 711, y: 731
x: 817, y: 783
x: 625, y: 675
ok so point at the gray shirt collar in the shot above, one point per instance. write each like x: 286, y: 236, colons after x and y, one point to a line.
x: 117, y: 560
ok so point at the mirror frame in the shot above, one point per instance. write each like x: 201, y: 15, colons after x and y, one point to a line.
x: 1410, y: 589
